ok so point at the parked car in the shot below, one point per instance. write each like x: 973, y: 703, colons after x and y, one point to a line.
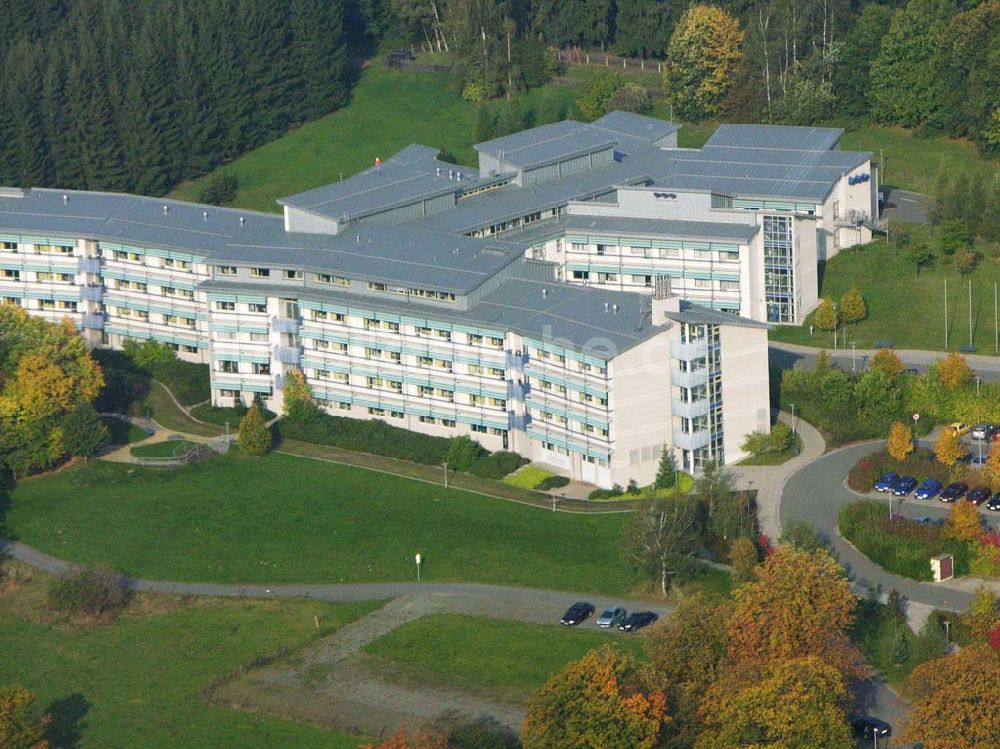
x: 960, y: 428
x: 929, y: 489
x: 982, y: 431
x: 923, y: 519
x: 978, y: 461
x: 993, y: 503
x: 577, y: 613
x: 870, y: 728
x: 954, y: 491
x: 886, y: 481
x: 611, y: 617
x: 978, y: 495
x: 637, y: 620
x: 904, y: 485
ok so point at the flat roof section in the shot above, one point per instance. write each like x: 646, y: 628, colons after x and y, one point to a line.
x: 546, y: 144
x: 646, y: 129
x: 778, y: 137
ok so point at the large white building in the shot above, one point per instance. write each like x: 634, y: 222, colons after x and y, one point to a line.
x: 586, y: 297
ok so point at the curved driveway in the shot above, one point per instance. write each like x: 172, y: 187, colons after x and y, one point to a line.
x: 817, y: 492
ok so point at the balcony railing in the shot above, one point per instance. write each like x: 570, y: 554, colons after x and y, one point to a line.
x: 288, y: 354
x: 689, y: 351
x: 90, y: 265
x: 94, y: 321
x: 692, y: 440
x: 690, y: 409
x: 691, y: 379
x: 285, y: 325
x: 92, y: 293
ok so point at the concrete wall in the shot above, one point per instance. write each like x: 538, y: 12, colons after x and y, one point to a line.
x: 745, y: 393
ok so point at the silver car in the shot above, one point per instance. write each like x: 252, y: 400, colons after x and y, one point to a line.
x: 611, y: 617
x: 980, y: 431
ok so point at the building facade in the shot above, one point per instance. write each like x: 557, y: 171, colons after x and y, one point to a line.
x: 588, y: 297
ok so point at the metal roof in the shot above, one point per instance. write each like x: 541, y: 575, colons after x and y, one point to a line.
x: 779, y: 137
x: 546, y: 144
x: 647, y: 129
x: 412, y: 174
x: 697, y: 315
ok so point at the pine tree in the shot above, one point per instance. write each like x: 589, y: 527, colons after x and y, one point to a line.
x: 666, y: 474
x: 254, y: 437
x: 900, y: 647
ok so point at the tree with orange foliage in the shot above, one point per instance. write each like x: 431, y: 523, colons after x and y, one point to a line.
x: 404, y: 739
x: 963, y: 522
x: 799, y: 605
x: 953, y: 700
x: 602, y: 701
x: 886, y: 360
x: 19, y: 728
x: 794, y: 704
x: 900, y: 442
x: 991, y: 471
x: 949, y: 448
x: 954, y: 371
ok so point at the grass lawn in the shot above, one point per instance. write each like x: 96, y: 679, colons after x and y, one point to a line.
x: 288, y: 519
x: 527, y: 477
x: 165, y: 412
x: 773, y: 459
x: 685, y: 483
x: 512, y: 657
x: 388, y: 111
x: 121, y: 432
x: 138, y: 682
x: 220, y: 415
x: 168, y: 449
x: 902, y: 307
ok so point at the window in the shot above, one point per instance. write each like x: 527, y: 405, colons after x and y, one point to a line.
x: 393, y: 327
x: 396, y: 414
x: 229, y: 393
x: 702, y: 283
x: 228, y: 366
x: 373, y: 286
x: 376, y: 411
x: 496, y: 342
x: 225, y: 306
x: 428, y: 420
x: 728, y: 256
x: 425, y: 391
x: 335, y: 280
x: 666, y: 252
x: 9, y: 246
x: 607, y: 278
x: 638, y: 251
x: 729, y: 285
x: 7, y: 273
x: 255, y: 307
x: 258, y: 337
x: 581, y: 275
x: 480, y: 428
x: 226, y: 270
x: 293, y: 275
x: 262, y: 368
x: 642, y: 280
x: 475, y: 339
x: 260, y: 272
x: 172, y: 263
x: 476, y: 369
x: 448, y: 423
x: 317, y: 314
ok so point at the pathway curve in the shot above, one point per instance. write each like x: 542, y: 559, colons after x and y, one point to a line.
x: 769, y: 481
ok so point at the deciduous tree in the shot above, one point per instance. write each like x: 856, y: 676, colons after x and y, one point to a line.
x: 949, y: 448
x: 991, y: 471
x: 982, y: 616
x: 948, y: 699
x: 826, y: 317
x: 663, y: 536
x: 703, y: 56
x: 954, y: 371
x: 793, y: 704
x: 743, y: 560
x: 253, y: 436
x: 919, y: 254
x: 900, y: 442
x: 602, y: 701
x: 20, y: 728
x: 963, y: 522
x: 852, y: 306
x: 404, y: 739
x: 799, y: 604
x: 886, y: 360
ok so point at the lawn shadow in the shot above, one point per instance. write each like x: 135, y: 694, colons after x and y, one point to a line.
x: 67, y: 721
x: 6, y: 484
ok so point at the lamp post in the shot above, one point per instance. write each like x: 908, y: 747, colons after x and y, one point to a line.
x: 979, y: 418
x: 418, y: 560
x: 853, y: 358
x: 446, y: 474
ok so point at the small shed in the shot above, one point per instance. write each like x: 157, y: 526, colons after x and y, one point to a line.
x: 942, y: 567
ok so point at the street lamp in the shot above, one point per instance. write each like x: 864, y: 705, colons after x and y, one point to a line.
x: 979, y: 418
x: 853, y: 367
x: 446, y: 474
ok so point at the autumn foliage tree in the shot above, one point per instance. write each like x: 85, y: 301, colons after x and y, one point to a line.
x: 792, y: 704
x: 852, y: 306
x: 963, y: 522
x: 20, y: 728
x: 991, y: 471
x: 800, y: 604
x: 888, y: 361
x: 826, y: 317
x: 982, y: 616
x: 602, y: 701
x: 703, y: 55
x: 952, y: 700
x: 949, y: 448
x: 900, y: 442
x: 404, y: 739
x: 954, y: 371
x: 253, y: 436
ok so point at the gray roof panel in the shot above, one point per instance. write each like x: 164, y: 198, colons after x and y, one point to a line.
x: 779, y: 137
x: 640, y: 127
x: 546, y: 144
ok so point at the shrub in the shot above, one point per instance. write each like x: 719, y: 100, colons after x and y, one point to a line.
x: 497, y: 465
x: 919, y: 463
x: 94, y: 592
x: 552, y: 482
x: 898, y: 544
x: 631, y: 98
x: 463, y: 453
x: 220, y: 189
x: 253, y: 436
x: 188, y: 381
x: 614, y: 491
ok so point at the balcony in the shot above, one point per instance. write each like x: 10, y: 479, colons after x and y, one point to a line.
x: 691, y: 379
x: 288, y: 354
x: 516, y: 390
x: 692, y: 440
x: 90, y: 265
x: 697, y: 349
x: 518, y: 421
x: 690, y: 409
x: 285, y: 325
x: 516, y: 360
x: 94, y: 321
x: 92, y: 293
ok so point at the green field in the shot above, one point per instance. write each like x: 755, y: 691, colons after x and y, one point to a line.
x: 902, y: 307
x: 138, y: 682
x: 289, y: 519
x: 472, y: 652
x: 772, y: 458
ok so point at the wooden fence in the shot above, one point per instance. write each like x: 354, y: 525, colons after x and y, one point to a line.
x: 597, y: 59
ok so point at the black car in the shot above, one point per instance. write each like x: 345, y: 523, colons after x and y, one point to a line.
x: 577, y: 613
x: 978, y: 495
x: 637, y: 620
x: 954, y: 491
x: 993, y: 503
x: 904, y: 485
x: 870, y: 727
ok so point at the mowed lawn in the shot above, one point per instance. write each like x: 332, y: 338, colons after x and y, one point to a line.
x: 474, y: 652
x: 138, y: 682
x: 905, y: 309
x: 388, y: 110
x: 288, y: 519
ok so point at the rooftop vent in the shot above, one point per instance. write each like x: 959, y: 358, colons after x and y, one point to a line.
x: 166, y: 209
x: 242, y: 221
x: 65, y: 198
x: 204, y: 215
x: 614, y: 308
x: 545, y: 293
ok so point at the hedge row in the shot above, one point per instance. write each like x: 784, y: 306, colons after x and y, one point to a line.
x: 189, y: 382
x: 919, y: 464
x: 898, y: 544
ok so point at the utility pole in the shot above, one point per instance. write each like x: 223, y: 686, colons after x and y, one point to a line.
x: 946, y: 314
x: 970, y: 313
x: 996, y: 327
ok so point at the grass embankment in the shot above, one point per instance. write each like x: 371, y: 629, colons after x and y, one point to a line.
x: 288, y: 519
x: 161, y: 407
x: 168, y: 449
x: 476, y: 653
x: 122, y: 432
x: 772, y: 458
x: 904, y: 308
x: 138, y: 682
x: 220, y: 416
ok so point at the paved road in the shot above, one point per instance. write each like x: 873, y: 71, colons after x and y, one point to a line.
x: 904, y: 205
x: 788, y: 355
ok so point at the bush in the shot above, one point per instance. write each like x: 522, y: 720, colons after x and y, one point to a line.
x: 898, y: 545
x: 94, y: 592
x: 497, y: 465
x: 464, y: 453
x: 220, y: 189
x: 919, y: 463
x: 551, y: 482
x: 614, y: 491
x: 631, y: 98
x: 253, y: 435
x: 220, y: 415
